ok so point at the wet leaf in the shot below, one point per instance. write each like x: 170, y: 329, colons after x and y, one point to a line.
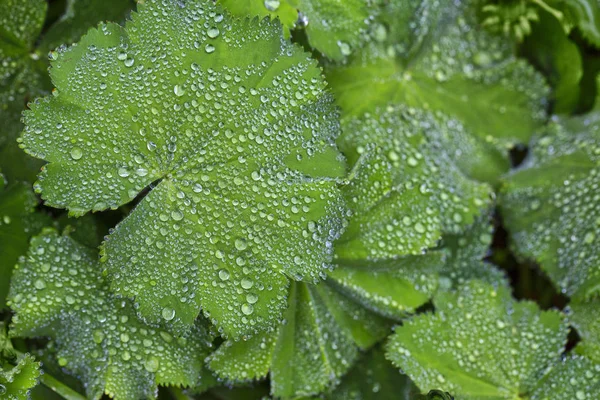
x: 16, y: 381
x: 56, y: 292
x: 585, y: 318
x: 480, y: 343
x: 232, y: 131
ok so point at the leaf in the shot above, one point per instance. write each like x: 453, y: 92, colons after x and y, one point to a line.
x: 583, y: 14
x: 585, y: 318
x: 18, y: 223
x: 231, y: 130
x: 325, y: 325
x: 374, y: 377
x: 467, y: 252
x: 439, y: 59
x: 315, y: 346
x: 18, y: 372
x: 22, y: 76
x: 550, y: 205
x: 550, y: 50
x: 575, y: 378
x: 55, y: 292
x: 479, y: 344
x: 333, y: 27
x: 17, y: 381
x: 421, y: 149
x: 79, y: 16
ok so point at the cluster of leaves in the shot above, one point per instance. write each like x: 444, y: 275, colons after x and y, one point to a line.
x: 299, y: 199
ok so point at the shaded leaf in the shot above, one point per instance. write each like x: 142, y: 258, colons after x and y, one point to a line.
x: 480, y: 343
x: 232, y: 130
x: 56, y: 292
x: 550, y: 205
x: 585, y: 318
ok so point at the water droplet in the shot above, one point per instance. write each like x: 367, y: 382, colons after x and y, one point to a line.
x: 272, y: 5
x: 179, y: 91
x: 224, y: 274
x: 76, y: 153
x: 209, y: 48
x: 213, y: 33
x: 168, y: 313
x: 247, y: 309
x: 151, y: 364
x: 39, y: 284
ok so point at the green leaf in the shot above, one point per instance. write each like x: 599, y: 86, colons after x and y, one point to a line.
x: 575, y: 378
x: 374, y: 377
x: 585, y: 318
x: 16, y: 381
x: 18, y: 223
x: 436, y: 195
x: 439, y: 59
x: 325, y: 325
x: 56, y: 292
x: 550, y: 50
x: 316, y: 344
x: 466, y: 256
x: 22, y: 77
x: 583, y: 14
x: 334, y: 28
x: 79, y: 16
x: 550, y: 205
x: 229, y: 126
x: 480, y: 343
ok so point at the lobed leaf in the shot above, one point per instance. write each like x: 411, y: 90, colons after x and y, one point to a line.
x: 435, y: 56
x: 585, y: 318
x: 551, y: 204
x: 334, y: 27
x: 55, y: 292
x: 231, y: 130
x: 16, y: 381
x: 480, y: 343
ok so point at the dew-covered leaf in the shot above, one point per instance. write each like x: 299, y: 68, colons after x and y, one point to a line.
x: 317, y: 343
x: 434, y: 55
x: 574, y: 378
x: 466, y: 255
x: 424, y: 151
x: 18, y: 223
x: 551, y: 205
x: 79, y: 16
x: 585, y: 317
x: 56, y: 291
x: 333, y: 27
x: 17, y: 380
x: 480, y: 343
x: 231, y: 129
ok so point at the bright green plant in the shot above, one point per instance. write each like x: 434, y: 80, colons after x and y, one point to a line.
x: 299, y: 199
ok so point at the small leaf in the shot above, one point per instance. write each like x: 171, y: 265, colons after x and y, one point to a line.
x: 228, y: 126
x: 56, y: 292
x: 480, y: 343
x: 585, y: 318
x: 17, y: 381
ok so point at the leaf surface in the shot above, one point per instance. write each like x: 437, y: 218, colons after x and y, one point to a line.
x: 480, y: 343
x: 435, y: 56
x: 231, y: 130
x: 550, y: 204
x: 56, y: 292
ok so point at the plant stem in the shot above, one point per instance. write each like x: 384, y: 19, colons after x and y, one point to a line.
x: 60, y: 388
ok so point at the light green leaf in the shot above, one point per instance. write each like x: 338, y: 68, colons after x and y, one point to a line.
x: 56, y: 292
x: 79, y: 16
x: 373, y: 377
x: 585, y: 318
x: 333, y: 27
x: 583, y: 14
x: 551, y: 204
x: 480, y: 344
x: 422, y: 149
x: 438, y: 58
x: 229, y: 126
x: 16, y: 381
x: 466, y: 256
x: 18, y: 223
